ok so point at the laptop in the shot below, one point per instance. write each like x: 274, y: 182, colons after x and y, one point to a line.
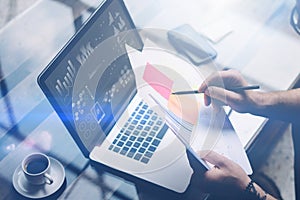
x: 91, y: 86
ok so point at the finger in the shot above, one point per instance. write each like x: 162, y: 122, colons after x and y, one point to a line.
x: 215, y: 159
x: 214, y: 79
x: 202, y: 87
x: 207, y: 100
x: 216, y: 93
x: 229, y: 78
x: 225, y: 96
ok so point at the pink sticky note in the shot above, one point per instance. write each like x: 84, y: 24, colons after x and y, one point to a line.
x: 158, y: 81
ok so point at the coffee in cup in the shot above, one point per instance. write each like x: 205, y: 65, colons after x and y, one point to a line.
x: 36, y: 168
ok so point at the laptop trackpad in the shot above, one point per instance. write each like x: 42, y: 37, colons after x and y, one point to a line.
x: 165, y: 176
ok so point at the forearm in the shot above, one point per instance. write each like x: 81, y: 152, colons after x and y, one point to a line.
x: 283, y: 105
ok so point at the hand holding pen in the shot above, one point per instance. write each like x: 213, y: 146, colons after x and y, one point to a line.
x: 234, y: 89
x: 229, y: 88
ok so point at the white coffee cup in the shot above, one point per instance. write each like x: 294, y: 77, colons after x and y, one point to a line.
x: 36, y: 168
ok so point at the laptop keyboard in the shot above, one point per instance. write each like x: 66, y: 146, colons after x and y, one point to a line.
x: 141, y: 134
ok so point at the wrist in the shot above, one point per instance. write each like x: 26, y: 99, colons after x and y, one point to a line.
x: 260, y: 103
x: 254, y: 192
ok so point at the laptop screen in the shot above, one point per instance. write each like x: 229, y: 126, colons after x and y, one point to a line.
x: 90, y: 82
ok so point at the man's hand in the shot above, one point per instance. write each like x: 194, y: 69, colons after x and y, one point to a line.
x: 215, y: 92
x: 282, y: 105
x: 225, y: 179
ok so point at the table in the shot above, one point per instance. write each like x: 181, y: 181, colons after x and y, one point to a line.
x: 247, y: 35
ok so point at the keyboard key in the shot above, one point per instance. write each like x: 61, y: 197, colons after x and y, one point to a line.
x: 134, y: 122
x: 120, y: 144
x: 147, y: 128
x: 139, y: 127
x: 152, y: 148
x: 155, y: 142
x: 148, y: 154
x: 124, y: 138
x: 133, y: 150
x: 131, y: 127
x: 132, y: 138
x: 152, y: 133
x: 142, y: 150
x: 124, y: 150
x: 130, y: 154
x: 145, y: 107
x: 118, y: 136
x: 155, y: 128
x: 138, y: 117
x: 150, y: 112
x: 138, y: 156
x: 143, y: 122
x: 154, y: 117
x: 111, y: 147
x: 148, y: 139
x: 159, y: 123
x: 150, y: 123
x: 116, y: 149
x: 128, y: 143
x: 136, y: 144
x: 146, y: 117
x: 145, y: 160
x: 145, y: 144
x: 143, y: 134
x: 115, y: 141
x: 140, y: 139
x: 136, y: 133
x: 126, y: 124
x: 162, y: 132
x: 127, y: 132
x: 141, y: 112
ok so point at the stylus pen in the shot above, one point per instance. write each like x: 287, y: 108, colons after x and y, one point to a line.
x: 234, y: 89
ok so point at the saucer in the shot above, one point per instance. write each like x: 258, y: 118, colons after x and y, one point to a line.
x: 23, y: 187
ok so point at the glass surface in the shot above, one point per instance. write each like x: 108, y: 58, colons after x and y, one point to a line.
x: 27, y: 121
